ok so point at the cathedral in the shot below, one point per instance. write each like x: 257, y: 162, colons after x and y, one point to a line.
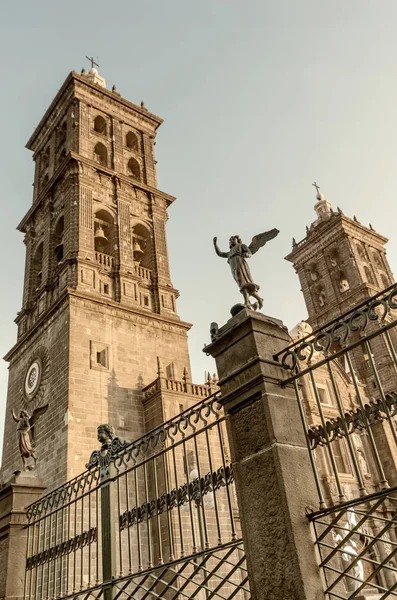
x: 99, y: 337
x: 100, y: 342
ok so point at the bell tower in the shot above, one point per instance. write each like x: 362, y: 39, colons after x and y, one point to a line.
x: 99, y: 309
x: 340, y: 263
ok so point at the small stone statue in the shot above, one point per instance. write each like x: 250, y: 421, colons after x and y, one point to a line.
x: 236, y: 257
x: 105, y: 435
x: 24, y: 434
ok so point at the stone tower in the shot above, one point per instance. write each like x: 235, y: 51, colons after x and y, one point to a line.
x: 340, y: 264
x: 98, y: 321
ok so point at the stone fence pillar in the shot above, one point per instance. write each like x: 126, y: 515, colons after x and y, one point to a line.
x: 273, y: 476
x: 15, y: 496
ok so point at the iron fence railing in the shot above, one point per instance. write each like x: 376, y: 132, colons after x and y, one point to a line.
x: 357, y: 544
x: 345, y: 381
x: 156, y: 517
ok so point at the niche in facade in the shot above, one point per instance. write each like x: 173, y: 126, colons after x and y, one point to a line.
x: 142, y: 247
x: 100, y: 125
x: 101, y: 154
x: 313, y: 272
x: 45, y: 159
x: 37, y: 268
x: 132, y: 141
x: 343, y: 283
x: 385, y: 280
x: 104, y: 232
x: 133, y: 168
x: 58, y: 239
x: 321, y: 299
x: 368, y: 275
x: 334, y: 258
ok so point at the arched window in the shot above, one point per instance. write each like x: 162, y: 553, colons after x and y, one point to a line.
x: 100, y: 125
x: 37, y: 266
x: 133, y: 169
x: 58, y: 239
x: 334, y: 258
x: 104, y: 232
x: 141, y: 244
x: 343, y: 283
x: 385, y: 281
x: 360, y: 251
x: 313, y: 272
x: 101, y: 154
x: 131, y: 141
x: 368, y: 275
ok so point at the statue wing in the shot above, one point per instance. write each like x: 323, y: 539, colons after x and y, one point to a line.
x: 260, y: 240
x: 36, y: 414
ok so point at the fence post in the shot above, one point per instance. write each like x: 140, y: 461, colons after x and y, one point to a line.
x: 273, y: 476
x: 108, y: 530
x: 23, y: 489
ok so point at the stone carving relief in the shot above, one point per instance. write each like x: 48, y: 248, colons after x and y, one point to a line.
x: 35, y: 379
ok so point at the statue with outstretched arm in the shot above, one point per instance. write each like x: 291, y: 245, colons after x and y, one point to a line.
x: 236, y: 257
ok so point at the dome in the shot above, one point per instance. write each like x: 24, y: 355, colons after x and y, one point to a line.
x: 301, y: 330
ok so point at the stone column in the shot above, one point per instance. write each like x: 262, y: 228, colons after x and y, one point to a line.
x: 273, y: 476
x: 15, y: 496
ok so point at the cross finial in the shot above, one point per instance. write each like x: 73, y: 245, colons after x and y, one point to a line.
x: 316, y: 186
x: 92, y: 61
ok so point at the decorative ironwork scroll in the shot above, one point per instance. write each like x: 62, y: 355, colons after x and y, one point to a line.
x: 355, y: 321
x: 62, y: 549
x: 193, y: 491
x: 353, y: 420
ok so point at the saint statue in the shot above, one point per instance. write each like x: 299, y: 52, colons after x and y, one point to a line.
x: 236, y: 257
x: 24, y: 434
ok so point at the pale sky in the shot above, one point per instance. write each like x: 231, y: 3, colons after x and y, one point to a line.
x: 259, y: 99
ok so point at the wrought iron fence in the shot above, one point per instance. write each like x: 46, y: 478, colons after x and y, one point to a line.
x: 345, y: 381
x: 153, y: 518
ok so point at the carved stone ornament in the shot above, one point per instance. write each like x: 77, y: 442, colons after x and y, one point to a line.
x: 35, y: 379
x: 111, y: 446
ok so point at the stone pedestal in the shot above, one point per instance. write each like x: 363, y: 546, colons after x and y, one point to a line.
x: 274, y: 480
x: 15, y: 496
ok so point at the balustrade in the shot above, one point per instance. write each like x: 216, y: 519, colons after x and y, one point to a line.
x: 105, y: 260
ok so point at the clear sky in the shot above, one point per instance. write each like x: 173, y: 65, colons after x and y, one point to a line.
x: 260, y: 98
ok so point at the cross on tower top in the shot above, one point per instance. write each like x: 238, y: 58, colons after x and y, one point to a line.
x: 316, y: 186
x: 92, y: 61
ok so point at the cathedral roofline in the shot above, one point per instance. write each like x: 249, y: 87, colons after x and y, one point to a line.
x: 73, y: 76
x: 328, y: 225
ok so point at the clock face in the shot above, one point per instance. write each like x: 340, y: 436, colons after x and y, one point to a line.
x: 32, y: 379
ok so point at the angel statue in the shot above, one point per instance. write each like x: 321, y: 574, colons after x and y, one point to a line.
x: 236, y: 257
x: 24, y: 433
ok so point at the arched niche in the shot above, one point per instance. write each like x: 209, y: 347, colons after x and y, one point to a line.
x: 343, y: 282
x: 37, y: 267
x: 385, y: 280
x: 133, y: 169
x: 101, y: 154
x: 334, y: 258
x: 131, y: 141
x: 59, y: 239
x: 142, y: 246
x: 104, y: 232
x: 313, y: 272
x: 45, y: 159
x: 368, y: 275
x: 100, y: 125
